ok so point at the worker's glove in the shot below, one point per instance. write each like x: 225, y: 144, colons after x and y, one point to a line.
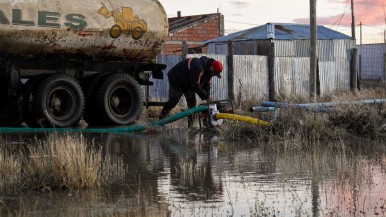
x: 209, y: 100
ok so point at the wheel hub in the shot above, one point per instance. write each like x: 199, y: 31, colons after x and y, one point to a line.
x: 115, y: 101
x: 56, y: 103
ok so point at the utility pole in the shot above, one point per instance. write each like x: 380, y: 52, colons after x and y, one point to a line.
x: 313, y: 58
x: 360, y: 57
x: 352, y: 20
x: 360, y: 32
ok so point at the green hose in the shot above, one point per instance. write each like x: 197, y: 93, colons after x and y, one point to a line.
x: 137, y: 128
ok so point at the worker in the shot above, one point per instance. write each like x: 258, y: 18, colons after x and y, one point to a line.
x: 189, y: 77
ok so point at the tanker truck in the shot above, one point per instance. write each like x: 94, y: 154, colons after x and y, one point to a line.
x: 62, y: 61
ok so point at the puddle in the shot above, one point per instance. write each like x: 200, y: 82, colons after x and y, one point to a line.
x: 184, y: 173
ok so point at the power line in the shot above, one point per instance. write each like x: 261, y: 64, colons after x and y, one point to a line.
x: 341, y: 16
x: 253, y: 24
x: 372, y: 26
x: 345, y: 28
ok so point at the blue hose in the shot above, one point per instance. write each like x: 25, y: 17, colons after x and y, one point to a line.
x: 322, y: 104
x: 137, y: 128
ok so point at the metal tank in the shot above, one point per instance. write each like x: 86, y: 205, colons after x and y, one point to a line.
x: 131, y: 29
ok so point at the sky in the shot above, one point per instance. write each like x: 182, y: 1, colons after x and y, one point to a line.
x: 244, y: 14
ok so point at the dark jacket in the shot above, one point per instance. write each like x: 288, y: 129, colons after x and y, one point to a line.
x: 195, y: 77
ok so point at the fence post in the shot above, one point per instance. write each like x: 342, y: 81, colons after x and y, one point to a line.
x: 184, y: 50
x: 231, y: 72
x: 384, y: 67
x: 354, y: 70
x: 359, y: 71
x: 271, y: 72
x: 317, y: 78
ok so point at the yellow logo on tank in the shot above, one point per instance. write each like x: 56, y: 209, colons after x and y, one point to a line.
x: 125, y: 22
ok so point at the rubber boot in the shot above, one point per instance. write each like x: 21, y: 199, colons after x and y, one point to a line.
x: 191, y: 120
x: 163, y: 114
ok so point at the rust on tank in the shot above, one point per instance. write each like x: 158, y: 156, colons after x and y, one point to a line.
x: 108, y: 47
x: 85, y: 33
x: 157, y: 44
x: 44, y: 28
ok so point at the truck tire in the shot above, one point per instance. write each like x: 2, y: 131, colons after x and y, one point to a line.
x: 10, y: 112
x: 119, y: 100
x: 59, y: 101
x: 27, y: 105
x: 10, y: 109
x: 91, y: 96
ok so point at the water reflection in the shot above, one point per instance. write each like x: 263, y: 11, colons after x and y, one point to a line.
x: 185, y: 173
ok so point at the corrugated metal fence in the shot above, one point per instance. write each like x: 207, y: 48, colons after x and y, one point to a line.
x: 159, y: 91
x: 334, y: 76
x: 250, y: 77
x: 291, y: 75
x: 219, y: 89
x: 372, y: 57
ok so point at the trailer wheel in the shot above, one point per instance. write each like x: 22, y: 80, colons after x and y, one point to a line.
x: 137, y: 33
x: 120, y: 100
x: 91, y: 96
x: 59, y: 101
x: 27, y: 106
x: 115, y: 31
x: 10, y: 112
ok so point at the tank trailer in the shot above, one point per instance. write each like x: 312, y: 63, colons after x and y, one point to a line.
x: 60, y: 63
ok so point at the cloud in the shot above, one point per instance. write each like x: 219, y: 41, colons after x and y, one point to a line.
x: 239, y: 3
x: 369, y: 12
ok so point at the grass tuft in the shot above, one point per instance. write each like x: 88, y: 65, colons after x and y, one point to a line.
x: 349, y: 121
x: 60, y: 162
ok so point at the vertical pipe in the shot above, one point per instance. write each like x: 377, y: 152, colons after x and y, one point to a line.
x: 360, y: 59
x: 231, y: 73
x: 271, y: 71
x: 317, y: 79
x: 313, y: 41
x: 184, y: 50
x: 384, y: 66
x: 354, y: 71
x: 221, y: 25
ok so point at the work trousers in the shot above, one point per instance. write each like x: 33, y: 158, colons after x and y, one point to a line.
x: 174, y: 97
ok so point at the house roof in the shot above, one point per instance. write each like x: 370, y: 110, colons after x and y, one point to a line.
x: 279, y: 31
x: 179, y: 23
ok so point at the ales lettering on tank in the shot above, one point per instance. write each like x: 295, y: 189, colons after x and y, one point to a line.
x: 44, y: 19
x: 125, y: 21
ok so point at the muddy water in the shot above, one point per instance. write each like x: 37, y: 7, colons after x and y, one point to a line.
x: 184, y: 173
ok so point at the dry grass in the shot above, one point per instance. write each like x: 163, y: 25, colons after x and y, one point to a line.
x: 60, y: 162
x: 10, y: 168
x: 349, y: 121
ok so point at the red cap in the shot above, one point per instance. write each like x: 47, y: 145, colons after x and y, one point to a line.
x: 217, y: 68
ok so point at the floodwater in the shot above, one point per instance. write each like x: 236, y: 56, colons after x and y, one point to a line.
x: 187, y: 173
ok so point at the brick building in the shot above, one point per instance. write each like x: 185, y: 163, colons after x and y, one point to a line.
x: 195, y: 30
